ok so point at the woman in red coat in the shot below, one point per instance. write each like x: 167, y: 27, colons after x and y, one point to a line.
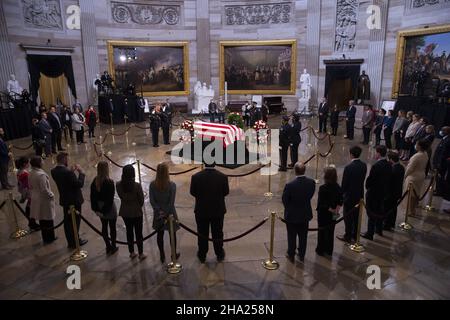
x: 91, y: 120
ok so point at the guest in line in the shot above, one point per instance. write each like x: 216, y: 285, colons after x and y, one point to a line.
x: 162, y: 193
x: 441, y: 154
x: 69, y: 187
x: 102, y: 203
x: 396, y: 183
x: 37, y: 137
x: 415, y: 173
x: 399, y: 129
x: 78, y: 125
x: 388, y: 125
x: 328, y: 206
x: 42, y: 207
x: 91, y: 121
x: 296, y: 198
x: 66, y: 117
x: 419, y: 135
x: 4, y: 162
x: 46, y: 130
x: 56, y: 124
x: 379, y: 126
x: 294, y: 138
x: 23, y: 186
x: 132, y: 200
x: 367, y: 123
x: 409, y: 135
x: 323, y: 115
x: 353, y: 191
x: 334, y: 120
x: 284, y: 143
x: 350, y: 120
x: 209, y: 187
x: 429, y: 138
x: 377, y: 194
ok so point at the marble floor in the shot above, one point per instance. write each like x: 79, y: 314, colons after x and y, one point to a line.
x: 414, y: 264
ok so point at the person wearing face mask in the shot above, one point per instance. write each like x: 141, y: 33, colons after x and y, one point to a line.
x: 429, y: 137
x: 441, y: 154
x: 4, y: 162
x: 415, y: 172
x: 377, y: 193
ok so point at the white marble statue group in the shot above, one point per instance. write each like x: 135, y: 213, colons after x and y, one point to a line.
x: 13, y: 87
x: 203, y: 96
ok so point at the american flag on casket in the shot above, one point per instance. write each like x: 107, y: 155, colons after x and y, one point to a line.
x: 226, y: 132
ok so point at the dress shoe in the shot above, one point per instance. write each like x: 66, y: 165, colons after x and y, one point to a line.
x: 282, y: 169
x: 319, y: 253
x: 290, y: 165
x: 290, y: 258
x: 51, y: 241
x: 113, y: 250
x: 380, y: 233
x: 342, y: 238
x: 367, y: 236
x: 133, y: 255
x: 142, y: 256
x: 83, y: 242
x: 221, y: 257
x: 388, y: 228
x: 162, y: 258
x: 201, y: 259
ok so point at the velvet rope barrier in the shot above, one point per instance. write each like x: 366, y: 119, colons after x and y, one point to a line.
x: 170, y: 173
x: 121, y: 134
x: 244, y: 174
x: 324, y: 155
x: 23, y: 212
x: 23, y: 148
x: 426, y: 191
x: 224, y: 240
x: 3, y: 203
x: 115, y: 163
x: 382, y: 216
x: 117, y: 241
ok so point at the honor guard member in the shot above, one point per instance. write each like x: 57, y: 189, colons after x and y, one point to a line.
x: 294, y: 138
x: 284, y: 142
x: 155, y: 123
x: 166, y: 121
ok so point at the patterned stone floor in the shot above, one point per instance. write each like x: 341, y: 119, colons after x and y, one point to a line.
x: 414, y: 264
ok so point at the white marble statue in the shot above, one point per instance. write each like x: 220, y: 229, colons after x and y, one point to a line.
x: 13, y: 86
x: 305, y: 85
x: 203, y: 96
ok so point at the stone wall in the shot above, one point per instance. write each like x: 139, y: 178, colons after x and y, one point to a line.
x: 314, y: 24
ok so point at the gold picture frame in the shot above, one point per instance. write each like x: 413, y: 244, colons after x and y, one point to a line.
x: 293, y: 65
x: 111, y: 44
x: 400, y: 53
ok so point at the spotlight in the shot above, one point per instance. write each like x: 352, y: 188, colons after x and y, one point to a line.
x: 122, y: 58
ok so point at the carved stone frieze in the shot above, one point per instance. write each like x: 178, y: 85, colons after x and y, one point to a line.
x: 345, y: 29
x: 271, y: 13
x: 145, y: 14
x: 42, y: 14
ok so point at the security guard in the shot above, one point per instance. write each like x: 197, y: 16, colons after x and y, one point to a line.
x: 295, y: 138
x: 155, y: 123
x: 284, y: 142
x: 166, y: 120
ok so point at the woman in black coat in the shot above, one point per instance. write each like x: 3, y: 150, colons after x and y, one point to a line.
x: 102, y: 203
x: 334, y: 119
x: 328, y: 206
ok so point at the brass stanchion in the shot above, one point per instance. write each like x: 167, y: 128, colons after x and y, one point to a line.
x: 358, y: 247
x: 18, y: 233
x: 316, y: 180
x: 429, y: 207
x: 405, y: 225
x: 111, y: 119
x: 173, y: 267
x: 271, y: 263
x: 78, y: 254
x: 269, y: 193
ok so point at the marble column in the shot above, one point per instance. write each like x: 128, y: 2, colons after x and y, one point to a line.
x: 7, y: 62
x: 89, y: 43
x: 203, y: 42
x: 313, y: 46
x: 375, y: 59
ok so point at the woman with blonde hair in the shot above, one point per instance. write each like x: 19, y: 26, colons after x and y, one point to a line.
x: 162, y: 193
x: 102, y: 203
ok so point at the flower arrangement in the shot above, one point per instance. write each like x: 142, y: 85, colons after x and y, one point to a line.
x: 187, y: 125
x: 235, y: 118
x: 260, y: 125
x: 262, y: 131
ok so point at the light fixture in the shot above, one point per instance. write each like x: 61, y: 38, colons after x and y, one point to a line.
x: 122, y: 58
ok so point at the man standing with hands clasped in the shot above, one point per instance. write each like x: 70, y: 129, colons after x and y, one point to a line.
x: 69, y: 187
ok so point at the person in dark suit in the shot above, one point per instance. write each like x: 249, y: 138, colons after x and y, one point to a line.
x: 379, y: 126
x: 69, y: 188
x: 441, y: 154
x: 334, y: 120
x: 209, y: 187
x: 396, y: 183
x: 350, y: 120
x: 166, y: 120
x: 56, y: 124
x: 328, y: 206
x: 378, y: 186
x: 353, y: 191
x: 46, y: 129
x: 296, y: 198
x: 323, y: 115
x: 294, y: 138
x: 284, y: 142
x: 155, y: 123
x: 212, y: 109
x: 66, y: 118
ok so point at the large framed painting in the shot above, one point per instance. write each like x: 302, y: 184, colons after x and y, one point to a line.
x: 423, y: 61
x: 258, y: 67
x: 154, y: 68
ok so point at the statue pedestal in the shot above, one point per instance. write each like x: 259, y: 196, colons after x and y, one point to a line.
x: 303, y: 106
x: 201, y: 104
